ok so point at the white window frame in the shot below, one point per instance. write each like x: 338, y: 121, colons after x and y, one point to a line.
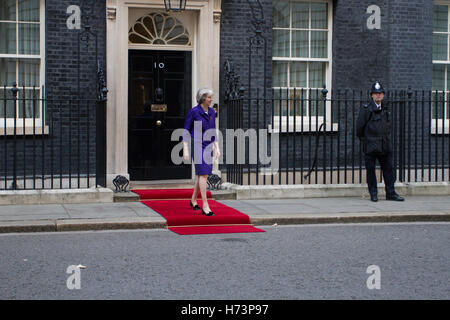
x: 38, y: 127
x: 437, y: 128
x: 287, y: 122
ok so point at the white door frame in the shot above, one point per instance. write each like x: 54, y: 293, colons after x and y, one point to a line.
x: 206, y: 49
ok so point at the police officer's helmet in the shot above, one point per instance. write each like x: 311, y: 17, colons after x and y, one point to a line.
x: 377, y: 88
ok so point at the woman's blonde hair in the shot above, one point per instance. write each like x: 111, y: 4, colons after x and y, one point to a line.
x: 202, y: 93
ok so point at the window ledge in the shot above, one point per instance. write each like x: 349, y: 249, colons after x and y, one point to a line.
x: 305, y: 128
x: 436, y: 128
x: 439, y: 131
x: 37, y: 130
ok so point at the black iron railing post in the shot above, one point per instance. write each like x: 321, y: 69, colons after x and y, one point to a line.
x: 436, y: 140
x: 415, y: 136
x: 44, y: 104
x: 401, y: 143
x: 362, y: 99
x: 240, y: 99
x: 34, y: 137
x: 353, y: 137
x: 23, y: 135
x: 5, y: 144
x: 345, y: 134
x: 286, y: 155
x: 338, y: 151
x: 422, y: 125
x: 100, y: 142
x: 324, y: 124
x: 445, y: 98
x: 409, y: 132
x: 294, y: 162
x: 14, y: 91
x: 233, y: 99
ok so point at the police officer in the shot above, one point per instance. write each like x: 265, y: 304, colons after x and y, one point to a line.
x: 374, y: 130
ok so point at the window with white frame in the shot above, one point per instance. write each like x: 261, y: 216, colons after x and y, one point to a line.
x: 301, y: 63
x: 21, y: 59
x: 441, y: 68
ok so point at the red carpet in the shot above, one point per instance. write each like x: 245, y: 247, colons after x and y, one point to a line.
x: 159, y: 194
x: 173, y: 205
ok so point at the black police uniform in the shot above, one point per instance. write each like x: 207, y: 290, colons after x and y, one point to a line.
x: 374, y: 130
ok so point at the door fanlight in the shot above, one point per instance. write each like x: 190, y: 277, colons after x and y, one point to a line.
x: 159, y: 29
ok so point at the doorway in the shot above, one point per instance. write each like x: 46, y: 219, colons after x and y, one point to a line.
x: 159, y: 97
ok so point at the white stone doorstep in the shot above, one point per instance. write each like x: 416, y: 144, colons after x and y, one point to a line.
x: 56, y: 196
x: 247, y: 192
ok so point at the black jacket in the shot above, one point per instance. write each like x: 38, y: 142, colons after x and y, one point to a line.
x: 374, y: 128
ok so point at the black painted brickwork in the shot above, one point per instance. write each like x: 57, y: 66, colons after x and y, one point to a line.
x: 236, y: 34
x: 71, y: 133
x: 399, y: 55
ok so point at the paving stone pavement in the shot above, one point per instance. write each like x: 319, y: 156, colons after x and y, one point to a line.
x: 94, y: 216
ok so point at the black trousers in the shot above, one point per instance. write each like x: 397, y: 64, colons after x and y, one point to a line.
x: 387, y: 168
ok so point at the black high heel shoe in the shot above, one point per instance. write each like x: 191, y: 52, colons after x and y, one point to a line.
x: 196, y: 207
x: 209, y: 214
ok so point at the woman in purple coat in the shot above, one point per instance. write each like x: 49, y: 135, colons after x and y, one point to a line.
x: 200, y: 126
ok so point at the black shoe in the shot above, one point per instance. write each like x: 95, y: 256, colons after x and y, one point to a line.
x: 373, y: 197
x: 196, y: 207
x: 394, y: 197
x: 207, y: 214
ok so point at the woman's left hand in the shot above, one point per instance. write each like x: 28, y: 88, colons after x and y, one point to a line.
x: 216, y: 150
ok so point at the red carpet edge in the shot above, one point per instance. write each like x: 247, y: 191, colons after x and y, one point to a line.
x: 173, y: 205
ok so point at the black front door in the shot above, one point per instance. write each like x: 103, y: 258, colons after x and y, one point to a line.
x: 159, y: 97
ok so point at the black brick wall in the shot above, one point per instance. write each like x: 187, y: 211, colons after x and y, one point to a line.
x: 62, y: 60
x: 399, y: 54
x: 360, y: 56
x: 69, y: 77
x: 236, y: 34
x: 411, y: 44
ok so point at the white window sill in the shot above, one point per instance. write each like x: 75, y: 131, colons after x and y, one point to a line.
x: 436, y: 127
x: 439, y: 131
x: 302, y: 128
x: 28, y: 131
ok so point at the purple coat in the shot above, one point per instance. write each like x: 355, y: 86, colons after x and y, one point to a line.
x: 208, y: 121
x: 197, y: 119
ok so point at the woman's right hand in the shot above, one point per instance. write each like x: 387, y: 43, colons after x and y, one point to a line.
x: 186, y: 152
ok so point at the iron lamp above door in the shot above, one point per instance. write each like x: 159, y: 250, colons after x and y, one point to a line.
x: 175, y: 5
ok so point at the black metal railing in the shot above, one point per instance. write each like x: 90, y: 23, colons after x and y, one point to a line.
x: 57, y: 139
x: 312, y: 135
x: 51, y: 143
